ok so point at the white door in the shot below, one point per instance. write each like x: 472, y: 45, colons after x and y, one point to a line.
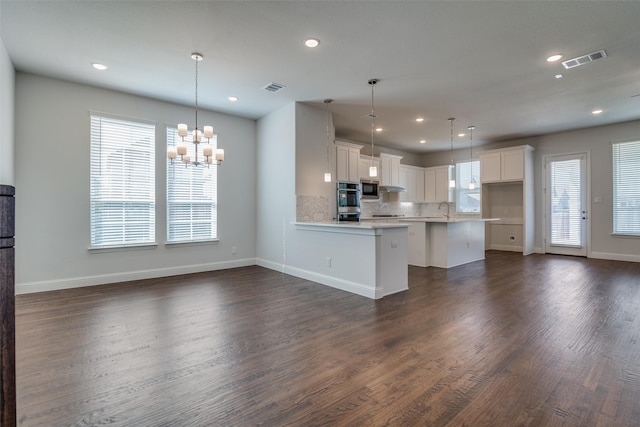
x: 566, y: 205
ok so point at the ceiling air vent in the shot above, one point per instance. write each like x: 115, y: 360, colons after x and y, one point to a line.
x: 584, y: 59
x: 274, y: 87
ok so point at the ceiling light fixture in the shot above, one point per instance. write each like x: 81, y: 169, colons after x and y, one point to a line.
x: 378, y: 129
x: 373, y: 170
x: 472, y: 181
x: 452, y: 182
x: 461, y: 134
x: 596, y: 111
x: 233, y: 98
x: 312, y: 42
x: 327, y: 175
x: 99, y: 66
x: 209, y: 156
x: 420, y: 119
x: 423, y: 141
x: 559, y: 76
x: 555, y: 57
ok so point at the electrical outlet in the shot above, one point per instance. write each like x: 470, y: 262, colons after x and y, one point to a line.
x: 234, y: 250
x: 328, y: 262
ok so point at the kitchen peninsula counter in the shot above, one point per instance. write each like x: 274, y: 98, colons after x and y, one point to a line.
x: 368, y: 259
x: 445, y: 242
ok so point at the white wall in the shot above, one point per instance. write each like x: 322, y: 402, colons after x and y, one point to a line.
x: 7, y: 92
x: 276, y: 180
x: 52, y: 179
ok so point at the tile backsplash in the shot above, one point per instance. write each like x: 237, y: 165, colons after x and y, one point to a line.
x: 313, y: 209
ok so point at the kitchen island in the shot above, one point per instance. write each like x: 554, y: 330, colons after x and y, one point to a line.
x: 363, y: 258
x: 445, y: 242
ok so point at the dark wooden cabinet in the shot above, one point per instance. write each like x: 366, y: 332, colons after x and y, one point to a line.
x: 7, y: 308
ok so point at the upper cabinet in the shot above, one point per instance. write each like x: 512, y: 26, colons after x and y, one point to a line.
x: 412, y: 179
x: 389, y: 169
x: 365, y: 164
x: 504, y: 165
x: 436, y: 184
x: 347, y: 161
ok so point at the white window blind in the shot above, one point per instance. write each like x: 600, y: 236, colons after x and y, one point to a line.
x: 192, y: 197
x: 122, y: 182
x: 566, y: 202
x: 468, y: 200
x: 626, y: 188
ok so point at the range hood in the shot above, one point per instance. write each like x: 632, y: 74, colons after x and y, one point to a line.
x: 392, y: 188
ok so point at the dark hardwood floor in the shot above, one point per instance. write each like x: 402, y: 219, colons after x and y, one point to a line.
x: 510, y: 341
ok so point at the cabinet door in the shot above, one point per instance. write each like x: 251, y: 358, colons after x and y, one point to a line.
x: 419, y: 186
x: 430, y: 185
x: 395, y: 171
x: 490, y: 166
x: 385, y: 171
x: 342, y: 163
x: 408, y: 178
x: 442, y: 184
x: 513, y: 165
x: 354, y: 160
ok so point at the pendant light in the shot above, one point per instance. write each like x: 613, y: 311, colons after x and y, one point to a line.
x: 452, y: 182
x: 327, y: 175
x: 472, y: 181
x: 209, y: 155
x: 373, y: 170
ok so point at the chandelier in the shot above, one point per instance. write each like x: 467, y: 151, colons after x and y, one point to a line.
x: 209, y: 156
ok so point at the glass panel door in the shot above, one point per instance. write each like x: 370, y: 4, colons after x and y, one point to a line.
x: 566, y: 205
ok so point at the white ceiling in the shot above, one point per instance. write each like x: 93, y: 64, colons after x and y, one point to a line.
x: 482, y: 62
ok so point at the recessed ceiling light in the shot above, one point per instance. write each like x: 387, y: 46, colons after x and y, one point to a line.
x: 461, y: 135
x: 597, y: 111
x: 423, y: 141
x: 311, y: 42
x: 419, y: 119
x: 98, y: 66
x: 558, y: 76
x: 378, y: 129
x: 555, y: 57
x: 233, y: 98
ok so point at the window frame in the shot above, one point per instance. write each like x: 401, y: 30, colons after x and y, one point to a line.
x: 172, y: 138
x: 125, y: 133
x: 464, y: 190
x: 630, y: 182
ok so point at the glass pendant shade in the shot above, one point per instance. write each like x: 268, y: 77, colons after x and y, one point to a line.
x: 327, y: 177
x: 373, y: 171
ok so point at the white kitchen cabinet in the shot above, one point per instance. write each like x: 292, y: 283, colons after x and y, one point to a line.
x: 389, y: 169
x: 412, y: 179
x: 436, y: 184
x: 504, y: 165
x: 365, y: 163
x: 347, y: 161
x: 507, y: 193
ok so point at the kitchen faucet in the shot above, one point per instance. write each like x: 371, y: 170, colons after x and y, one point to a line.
x: 448, y: 207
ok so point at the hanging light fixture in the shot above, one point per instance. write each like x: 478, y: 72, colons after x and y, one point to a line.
x: 327, y: 175
x: 373, y: 170
x: 452, y: 182
x: 209, y: 155
x: 472, y: 181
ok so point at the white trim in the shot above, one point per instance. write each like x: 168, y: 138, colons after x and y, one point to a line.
x: 344, y: 285
x: 615, y: 257
x: 102, y: 279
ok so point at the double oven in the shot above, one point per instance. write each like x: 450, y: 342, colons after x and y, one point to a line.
x: 348, y: 203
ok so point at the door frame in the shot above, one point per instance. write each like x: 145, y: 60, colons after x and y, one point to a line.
x: 545, y: 200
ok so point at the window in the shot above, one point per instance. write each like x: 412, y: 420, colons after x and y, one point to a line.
x: 192, y: 197
x: 626, y: 188
x: 122, y: 182
x: 468, y: 199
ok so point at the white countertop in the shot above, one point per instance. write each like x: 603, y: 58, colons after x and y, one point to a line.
x: 447, y: 220
x: 348, y: 224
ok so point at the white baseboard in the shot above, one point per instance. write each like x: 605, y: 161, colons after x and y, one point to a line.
x: 509, y: 248
x: 615, y: 257
x: 323, y: 279
x: 102, y: 279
